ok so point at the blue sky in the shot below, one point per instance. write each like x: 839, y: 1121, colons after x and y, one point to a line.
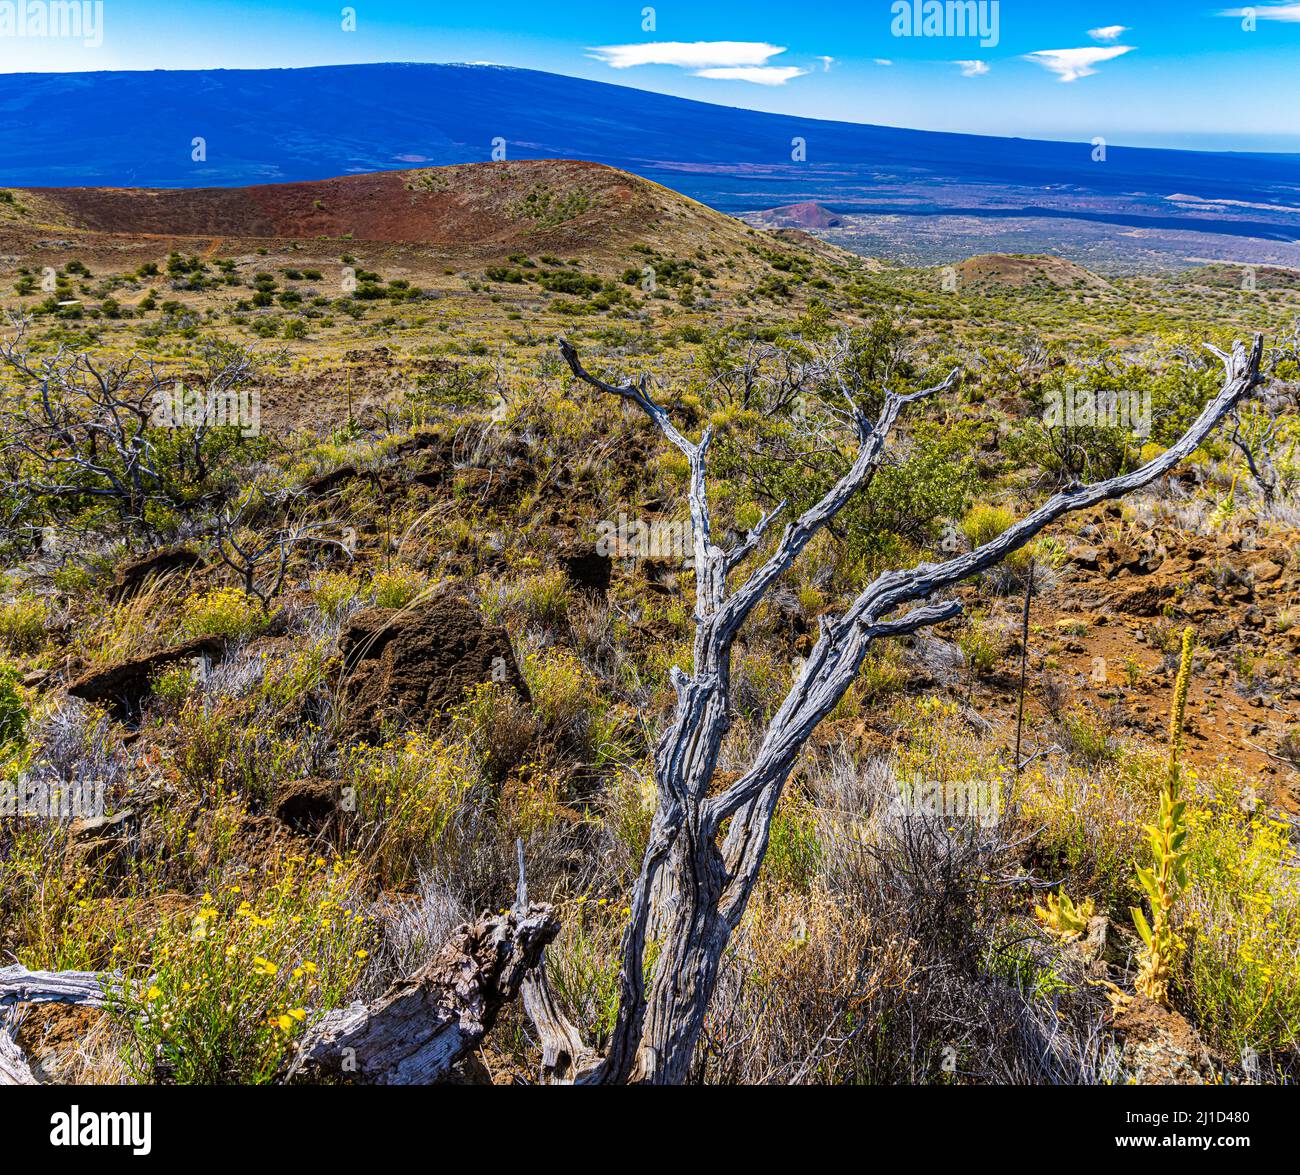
x: 1156, y: 72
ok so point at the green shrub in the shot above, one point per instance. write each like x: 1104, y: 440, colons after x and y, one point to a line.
x: 984, y: 645
x: 22, y: 624
x: 1086, y: 738
x: 983, y: 523
x: 13, y: 711
x: 1241, y: 910
x: 793, y: 849
x: 410, y: 794
x: 172, y: 685
x: 333, y: 591
x: 398, y: 586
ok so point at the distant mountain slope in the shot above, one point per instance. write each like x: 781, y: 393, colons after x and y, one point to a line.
x: 266, y: 126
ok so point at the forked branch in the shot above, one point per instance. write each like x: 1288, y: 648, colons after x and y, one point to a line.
x: 706, y: 846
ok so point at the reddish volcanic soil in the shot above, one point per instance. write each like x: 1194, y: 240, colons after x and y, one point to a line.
x: 805, y: 215
x: 543, y: 202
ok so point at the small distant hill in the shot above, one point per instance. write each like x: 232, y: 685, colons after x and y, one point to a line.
x: 1021, y: 270
x: 807, y: 215
x: 561, y: 205
x: 521, y: 217
x: 1225, y: 275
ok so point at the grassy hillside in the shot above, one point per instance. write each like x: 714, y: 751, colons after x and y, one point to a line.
x: 425, y: 605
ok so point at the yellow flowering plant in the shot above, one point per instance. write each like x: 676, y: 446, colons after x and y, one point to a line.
x: 1166, y: 877
x: 218, y: 993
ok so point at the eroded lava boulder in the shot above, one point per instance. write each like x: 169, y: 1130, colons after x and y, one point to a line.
x: 413, y: 666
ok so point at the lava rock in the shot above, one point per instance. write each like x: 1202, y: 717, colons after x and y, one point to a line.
x: 412, y: 667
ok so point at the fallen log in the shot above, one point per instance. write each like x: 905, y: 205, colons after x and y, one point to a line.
x: 90, y: 988
x: 14, y: 1069
x: 417, y: 1030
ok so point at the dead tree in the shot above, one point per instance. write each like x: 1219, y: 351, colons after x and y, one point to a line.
x: 423, y: 1025
x: 260, y: 560
x: 763, y: 376
x: 81, y: 427
x: 707, y: 844
x: 227, y: 370
x: 1264, y: 431
x: 77, y: 427
x: 1260, y: 434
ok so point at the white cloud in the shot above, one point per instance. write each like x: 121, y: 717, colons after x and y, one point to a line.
x: 972, y: 69
x: 883, y: 61
x: 1284, y: 12
x: 1109, y: 32
x: 762, y: 75
x: 731, y: 61
x: 687, y: 54
x: 1071, y: 64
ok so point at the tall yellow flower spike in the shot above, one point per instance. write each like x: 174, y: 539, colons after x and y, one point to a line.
x: 1167, y: 877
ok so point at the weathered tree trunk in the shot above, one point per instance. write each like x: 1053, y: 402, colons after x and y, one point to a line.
x: 14, y: 1069
x: 706, y: 847
x: 693, y: 938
